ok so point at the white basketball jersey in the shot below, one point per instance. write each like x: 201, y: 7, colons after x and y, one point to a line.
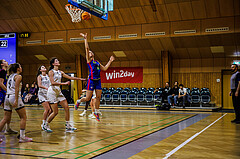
x: 57, y: 76
x: 11, y: 85
x: 45, y: 83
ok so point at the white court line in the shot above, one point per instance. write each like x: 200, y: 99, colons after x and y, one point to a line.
x: 191, y: 138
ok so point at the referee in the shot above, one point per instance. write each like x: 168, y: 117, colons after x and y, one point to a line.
x: 235, y: 88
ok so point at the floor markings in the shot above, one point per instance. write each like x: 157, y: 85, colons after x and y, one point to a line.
x: 191, y: 138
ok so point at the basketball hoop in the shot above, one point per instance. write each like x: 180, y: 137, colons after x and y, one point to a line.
x: 74, y: 12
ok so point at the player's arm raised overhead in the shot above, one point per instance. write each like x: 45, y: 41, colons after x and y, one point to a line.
x: 104, y: 68
x: 86, y: 46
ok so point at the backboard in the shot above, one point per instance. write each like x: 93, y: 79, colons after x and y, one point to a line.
x: 97, y: 8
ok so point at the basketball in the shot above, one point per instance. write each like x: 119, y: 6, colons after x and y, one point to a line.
x: 86, y: 16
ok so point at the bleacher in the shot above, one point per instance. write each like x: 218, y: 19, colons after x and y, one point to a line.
x: 150, y: 97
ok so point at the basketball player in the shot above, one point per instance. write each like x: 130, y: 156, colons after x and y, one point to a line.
x: 14, y: 100
x: 54, y: 94
x: 92, y: 104
x: 3, y: 89
x: 94, y: 81
x: 43, y: 84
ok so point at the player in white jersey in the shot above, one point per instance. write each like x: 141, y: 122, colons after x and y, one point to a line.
x: 43, y: 84
x: 3, y: 90
x: 14, y: 100
x: 54, y: 93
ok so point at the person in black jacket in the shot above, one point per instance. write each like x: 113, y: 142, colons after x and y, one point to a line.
x: 166, y: 92
x: 173, y: 94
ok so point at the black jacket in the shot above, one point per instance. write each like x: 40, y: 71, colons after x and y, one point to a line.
x: 174, y: 91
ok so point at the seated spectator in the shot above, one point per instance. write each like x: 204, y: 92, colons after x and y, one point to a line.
x: 33, y: 91
x: 25, y: 91
x: 166, y: 92
x: 182, y: 95
x: 173, y: 94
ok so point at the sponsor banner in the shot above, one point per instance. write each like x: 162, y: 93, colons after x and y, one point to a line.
x: 122, y: 75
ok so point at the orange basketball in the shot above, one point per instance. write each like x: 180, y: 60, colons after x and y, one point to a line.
x: 86, y: 16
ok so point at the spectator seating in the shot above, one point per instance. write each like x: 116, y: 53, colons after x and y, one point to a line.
x: 108, y: 96
x: 140, y: 96
x: 151, y: 89
x: 143, y: 89
x: 127, y: 89
x: 116, y: 95
x: 195, y: 96
x: 205, y: 96
x: 132, y: 96
x: 147, y: 96
x: 158, y: 96
x: 124, y: 96
x: 120, y: 89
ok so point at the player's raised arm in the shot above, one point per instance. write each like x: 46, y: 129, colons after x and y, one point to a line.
x: 86, y: 46
x: 104, y: 68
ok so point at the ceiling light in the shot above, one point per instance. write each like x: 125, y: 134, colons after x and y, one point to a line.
x: 119, y: 54
x: 41, y: 57
x: 217, y: 49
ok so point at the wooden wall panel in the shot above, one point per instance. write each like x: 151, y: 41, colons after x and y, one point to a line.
x: 212, y: 8
x: 226, y: 7
x: 217, y: 23
x: 55, y: 35
x: 76, y: 34
x: 207, y: 65
x: 35, y: 37
x: 138, y: 15
x: 20, y: 42
x: 158, y: 27
x: 219, y: 64
x: 175, y: 66
x: 201, y: 80
x: 196, y: 65
x: 107, y: 31
x: 186, y: 10
x: 237, y: 24
x: 162, y: 13
x: 236, y: 7
x: 184, y: 65
x: 173, y: 12
x: 131, y: 29
x: 185, y: 25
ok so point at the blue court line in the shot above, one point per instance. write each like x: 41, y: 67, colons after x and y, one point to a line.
x: 141, y: 144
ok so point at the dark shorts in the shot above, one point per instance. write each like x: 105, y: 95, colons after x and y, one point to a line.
x: 94, y: 84
x: 2, y: 97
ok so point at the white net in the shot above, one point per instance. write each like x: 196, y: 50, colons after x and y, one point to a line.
x: 75, y: 13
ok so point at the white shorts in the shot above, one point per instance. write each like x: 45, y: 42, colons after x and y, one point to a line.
x: 42, y: 97
x: 54, y: 97
x: 9, y: 100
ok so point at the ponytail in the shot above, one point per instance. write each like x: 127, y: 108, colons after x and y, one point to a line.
x: 51, y: 63
x: 38, y: 71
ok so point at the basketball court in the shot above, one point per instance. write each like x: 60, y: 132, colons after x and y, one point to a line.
x: 193, y: 42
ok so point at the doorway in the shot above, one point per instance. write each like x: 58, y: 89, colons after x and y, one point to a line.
x: 227, y: 100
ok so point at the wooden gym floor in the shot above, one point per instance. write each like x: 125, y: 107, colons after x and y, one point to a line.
x: 131, y: 134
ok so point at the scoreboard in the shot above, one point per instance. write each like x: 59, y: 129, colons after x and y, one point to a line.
x: 8, y: 47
